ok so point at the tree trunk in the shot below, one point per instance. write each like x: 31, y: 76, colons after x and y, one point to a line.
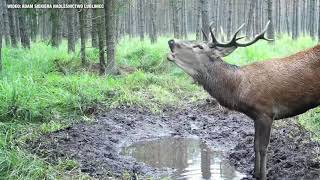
x: 250, y: 18
x: 1, y: 34
x: 110, y: 6
x: 130, y: 18
x: 25, y: 39
x: 82, y: 36
x: 184, y: 20
x: 312, y: 18
x: 71, y: 31
x: 6, y: 30
x: 153, y: 14
x: 271, y: 27
x: 34, y: 26
x: 12, y: 26
x: 319, y: 23
x: 55, y: 28
x: 175, y: 19
x: 100, y: 22
x: 279, y: 16
x: 94, y: 28
x: 287, y: 19
x: 205, y: 17
x: 198, y: 20
x: 141, y: 20
x: 295, y: 20
x: 229, y: 19
x: 16, y: 21
x: 303, y: 16
x: 258, y: 17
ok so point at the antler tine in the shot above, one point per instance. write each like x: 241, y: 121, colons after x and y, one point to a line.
x: 205, y: 35
x: 233, y: 41
x: 214, y: 39
x: 258, y: 37
x: 234, y: 38
x: 240, y: 38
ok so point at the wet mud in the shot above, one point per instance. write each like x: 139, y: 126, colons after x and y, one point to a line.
x: 97, y: 145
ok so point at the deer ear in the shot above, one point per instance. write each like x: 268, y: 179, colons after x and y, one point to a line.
x: 223, y: 51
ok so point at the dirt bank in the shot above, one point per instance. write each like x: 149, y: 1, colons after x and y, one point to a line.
x: 97, y: 145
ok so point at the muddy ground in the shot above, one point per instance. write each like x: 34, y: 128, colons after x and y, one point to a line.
x: 292, y: 154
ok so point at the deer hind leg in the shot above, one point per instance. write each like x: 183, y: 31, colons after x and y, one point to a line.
x: 264, y: 130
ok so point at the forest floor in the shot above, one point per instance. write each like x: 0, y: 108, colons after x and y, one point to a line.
x: 97, y: 145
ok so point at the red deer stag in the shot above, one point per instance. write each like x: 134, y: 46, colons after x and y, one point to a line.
x: 264, y: 91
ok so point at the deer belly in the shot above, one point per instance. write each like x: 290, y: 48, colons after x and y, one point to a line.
x: 290, y: 110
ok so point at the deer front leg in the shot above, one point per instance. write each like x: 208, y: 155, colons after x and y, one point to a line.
x: 264, y: 130
x: 256, y: 151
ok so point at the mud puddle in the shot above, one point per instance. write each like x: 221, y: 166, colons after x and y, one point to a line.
x: 97, y: 146
x: 189, y: 157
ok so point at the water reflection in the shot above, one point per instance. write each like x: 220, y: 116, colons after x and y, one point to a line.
x: 191, y: 158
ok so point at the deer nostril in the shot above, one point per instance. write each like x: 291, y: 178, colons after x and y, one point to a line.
x: 171, y: 44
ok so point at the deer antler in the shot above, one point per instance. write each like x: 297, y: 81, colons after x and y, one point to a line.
x: 262, y: 35
x: 233, y: 42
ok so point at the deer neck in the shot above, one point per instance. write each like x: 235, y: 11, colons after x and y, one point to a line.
x: 221, y: 80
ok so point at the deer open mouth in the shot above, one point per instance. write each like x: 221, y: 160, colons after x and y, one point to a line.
x: 171, y: 56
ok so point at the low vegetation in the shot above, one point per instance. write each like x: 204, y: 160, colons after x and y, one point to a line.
x: 45, y: 89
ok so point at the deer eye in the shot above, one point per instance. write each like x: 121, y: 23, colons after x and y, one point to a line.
x: 198, y: 46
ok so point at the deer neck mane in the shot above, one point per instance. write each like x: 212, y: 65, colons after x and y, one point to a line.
x: 221, y: 80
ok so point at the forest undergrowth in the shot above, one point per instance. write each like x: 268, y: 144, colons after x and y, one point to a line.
x: 45, y: 89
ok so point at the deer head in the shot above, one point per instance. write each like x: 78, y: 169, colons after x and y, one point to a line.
x: 192, y: 56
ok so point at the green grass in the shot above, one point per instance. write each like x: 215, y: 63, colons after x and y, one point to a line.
x: 36, y: 98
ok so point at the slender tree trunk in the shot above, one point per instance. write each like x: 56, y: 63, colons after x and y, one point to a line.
x: 312, y: 18
x: 71, y: 32
x: 94, y: 29
x: 198, y: 20
x: 82, y: 36
x: 183, y: 19
x: 279, y: 16
x: 215, y: 14
x: 258, y: 17
x: 110, y: 24
x: 34, y: 26
x: 229, y: 19
x: 12, y: 26
x: 250, y: 18
x: 271, y: 27
x: 295, y: 20
x: 303, y: 16
x: 25, y: 39
x: 175, y: 19
x: 1, y: 34
x: 55, y: 28
x: 141, y: 20
x: 6, y: 31
x: 153, y: 14
x: 100, y: 21
x: 17, y: 25
x: 205, y: 16
x: 287, y: 19
x: 319, y: 22
x: 130, y: 22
